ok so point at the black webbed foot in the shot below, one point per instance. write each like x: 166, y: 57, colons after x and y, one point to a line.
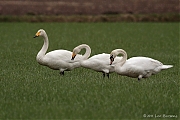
x: 62, y: 73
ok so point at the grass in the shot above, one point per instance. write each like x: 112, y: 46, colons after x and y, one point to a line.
x: 167, y: 17
x: 31, y: 91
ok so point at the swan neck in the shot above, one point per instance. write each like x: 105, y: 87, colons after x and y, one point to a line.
x: 88, y: 51
x: 44, y: 48
x: 124, y: 56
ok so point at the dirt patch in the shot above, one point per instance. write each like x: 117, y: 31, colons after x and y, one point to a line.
x: 87, y: 7
x: 89, y: 11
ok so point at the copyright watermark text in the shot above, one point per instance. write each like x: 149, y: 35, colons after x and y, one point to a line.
x: 160, y: 116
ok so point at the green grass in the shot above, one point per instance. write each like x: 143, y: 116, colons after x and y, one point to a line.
x: 167, y: 17
x: 31, y: 91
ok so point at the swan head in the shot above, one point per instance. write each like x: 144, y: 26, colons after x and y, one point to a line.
x: 112, y: 56
x: 40, y: 32
x: 76, y: 50
x: 111, y: 59
x: 115, y: 53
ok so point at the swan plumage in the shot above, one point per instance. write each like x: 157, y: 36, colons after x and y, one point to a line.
x: 57, y: 59
x: 137, y: 67
x: 99, y: 62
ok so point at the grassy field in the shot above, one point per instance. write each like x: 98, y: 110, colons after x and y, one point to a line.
x: 31, y: 91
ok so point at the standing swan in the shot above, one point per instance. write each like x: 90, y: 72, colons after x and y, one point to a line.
x: 136, y: 67
x: 99, y: 63
x: 57, y: 59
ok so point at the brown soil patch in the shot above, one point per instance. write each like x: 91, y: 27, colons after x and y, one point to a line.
x: 90, y: 7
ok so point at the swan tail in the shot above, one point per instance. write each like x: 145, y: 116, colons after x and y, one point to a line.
x: 166, y: 67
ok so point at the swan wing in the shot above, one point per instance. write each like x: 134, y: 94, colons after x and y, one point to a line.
x: 60, y: 59
x: 141, y: 66
x: 59, y: 54
x: 97, y: 65
x: 100, y: 56
x: 105, y: 58
x: 99, y: 62
x: 64, y: 55
x: 144, y: 62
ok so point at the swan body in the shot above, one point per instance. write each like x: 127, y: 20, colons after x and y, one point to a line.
x: 57, y: 59
x: 99, y: 62
x: 137, y: 67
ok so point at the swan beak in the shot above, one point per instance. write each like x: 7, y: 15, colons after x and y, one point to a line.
x: 73, y: 56
x: 37, y: 34
x: 110, y: 62
x: 111, y: 59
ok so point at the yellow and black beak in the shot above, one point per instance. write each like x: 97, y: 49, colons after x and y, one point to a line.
x: 111, y: 59
x: 37, y: 34
x: 73, y: 56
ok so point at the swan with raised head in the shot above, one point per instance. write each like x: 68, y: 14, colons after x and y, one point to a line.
x: 136, y: 67
x: 57, y: 59
x: 99, y: 62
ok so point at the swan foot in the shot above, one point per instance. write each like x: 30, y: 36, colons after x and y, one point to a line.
x: 62, y: 73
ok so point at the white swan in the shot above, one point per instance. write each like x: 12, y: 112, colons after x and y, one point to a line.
x: 57, y: 59
x: 136, y: 67
x: 99, y: 62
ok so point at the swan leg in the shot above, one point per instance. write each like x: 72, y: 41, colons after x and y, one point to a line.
x: 62, y: 73
x: 108, y: 75
x: 104, y: 74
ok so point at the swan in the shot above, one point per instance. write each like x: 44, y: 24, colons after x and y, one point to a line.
x: 99, y: 62
x: 136, y: 67
x: 57, y: 59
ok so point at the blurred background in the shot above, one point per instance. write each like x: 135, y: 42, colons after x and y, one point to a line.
x: 89, y: 10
